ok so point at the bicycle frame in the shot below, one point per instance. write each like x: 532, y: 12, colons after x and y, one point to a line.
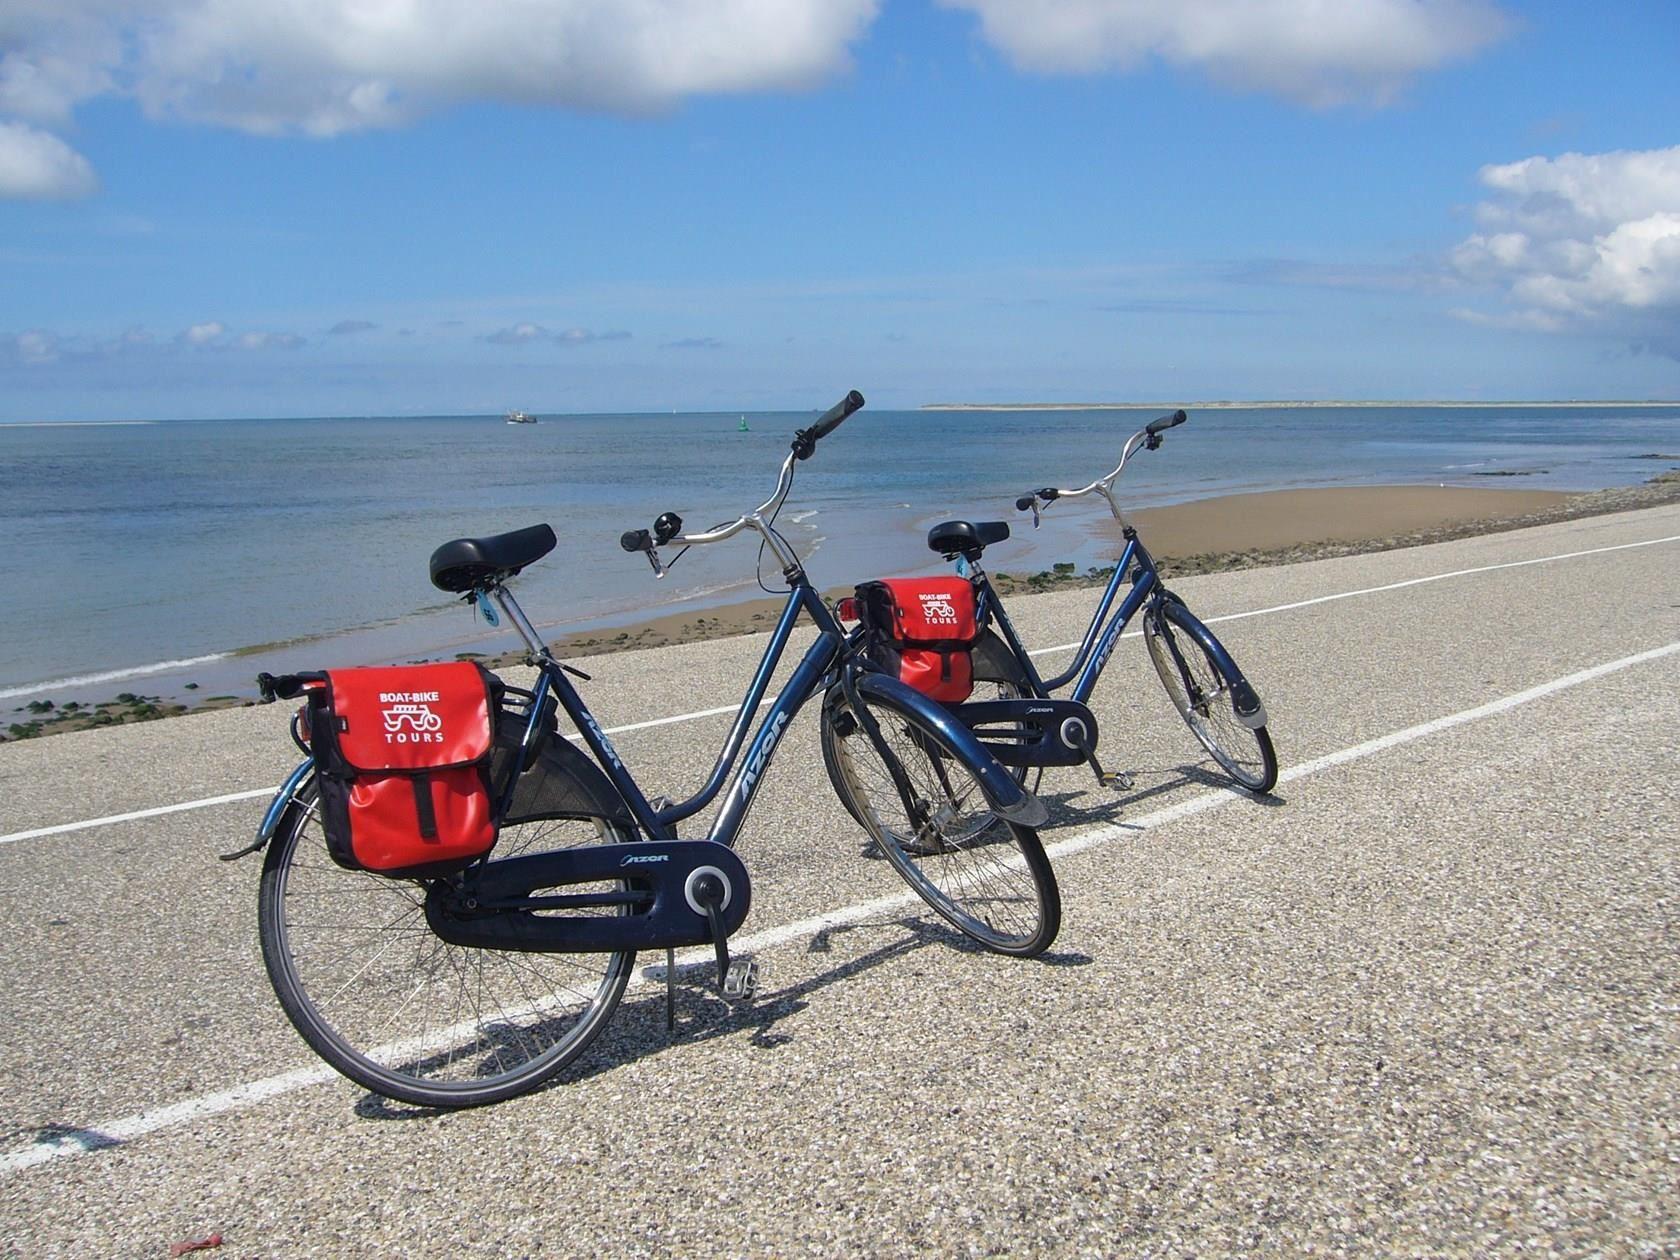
x: 819, y: 659
x: 814, y: 674
x: 1135, y: 564
x: 1098, y: 643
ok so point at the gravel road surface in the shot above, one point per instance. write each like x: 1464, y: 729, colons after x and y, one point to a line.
x: 1422, y: 1000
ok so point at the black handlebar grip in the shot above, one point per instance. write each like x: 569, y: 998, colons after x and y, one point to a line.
x: 831, y: 418
x: 635, y: 540
x: 1024, y: 502
x: 1166, y: 422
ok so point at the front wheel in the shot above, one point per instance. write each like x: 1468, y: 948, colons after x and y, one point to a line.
x: 399, y: 1010
x: 985, y: 875
x: 1186, y: 656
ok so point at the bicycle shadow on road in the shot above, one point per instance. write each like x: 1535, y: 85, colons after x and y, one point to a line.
x: 638, y: 1029
x: 1112, y: 807
x: 703, y: 1014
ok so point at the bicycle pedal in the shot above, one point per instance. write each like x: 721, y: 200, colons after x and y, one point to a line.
x: 740, y: 981
x: 1118, y: 780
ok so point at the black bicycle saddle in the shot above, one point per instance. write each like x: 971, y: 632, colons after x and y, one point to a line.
x: 966, y: 538
x: 468, y: 563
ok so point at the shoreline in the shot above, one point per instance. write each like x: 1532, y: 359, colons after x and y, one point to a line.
x: 1203, y: 536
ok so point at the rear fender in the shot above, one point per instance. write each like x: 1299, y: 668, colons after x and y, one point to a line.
x: 283, y: 800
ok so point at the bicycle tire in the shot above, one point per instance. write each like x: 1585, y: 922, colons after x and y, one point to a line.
x: 367, y: 998
x: 986, y: 876
x: 997, y: 676
x: 1200, y: 690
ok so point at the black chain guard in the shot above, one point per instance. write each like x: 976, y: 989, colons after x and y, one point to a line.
x: 1031, y: 732
x: 529, y: 903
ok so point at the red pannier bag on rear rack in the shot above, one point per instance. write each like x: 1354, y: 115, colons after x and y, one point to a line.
x: 922, y: 630
x: 402, y: 756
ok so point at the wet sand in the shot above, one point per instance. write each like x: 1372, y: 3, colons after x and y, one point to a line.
x: 1234, y: 531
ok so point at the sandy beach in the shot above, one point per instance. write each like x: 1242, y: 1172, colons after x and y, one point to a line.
x: 1203, y: 536
x: 1230, y: 532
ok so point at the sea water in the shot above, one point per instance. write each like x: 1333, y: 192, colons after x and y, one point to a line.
x: 136, y: 557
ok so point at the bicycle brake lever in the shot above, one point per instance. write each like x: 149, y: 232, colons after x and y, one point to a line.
x: 653, y: 559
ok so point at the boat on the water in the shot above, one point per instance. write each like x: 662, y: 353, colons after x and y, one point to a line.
x: 743, y: 428
x: 520, y: 417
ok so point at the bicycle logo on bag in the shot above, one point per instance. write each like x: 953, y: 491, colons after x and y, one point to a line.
x: 937, y: 609
x: 409, y: 718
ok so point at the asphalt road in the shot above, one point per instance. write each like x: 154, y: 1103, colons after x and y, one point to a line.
x: 1423, y: 1000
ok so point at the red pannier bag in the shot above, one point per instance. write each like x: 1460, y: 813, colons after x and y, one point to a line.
x: 923, y: 630
x: 402, y: 756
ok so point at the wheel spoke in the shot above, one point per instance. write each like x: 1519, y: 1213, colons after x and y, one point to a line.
x: 404, y: 1012
x: 966, y: 862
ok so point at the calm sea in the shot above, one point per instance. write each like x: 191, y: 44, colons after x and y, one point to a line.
x: 139, y: 557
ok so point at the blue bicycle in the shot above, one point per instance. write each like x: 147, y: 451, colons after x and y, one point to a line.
x: 1210, y: 692
x: 473, y: 986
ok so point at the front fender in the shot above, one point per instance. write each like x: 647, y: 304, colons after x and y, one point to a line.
x: 283, y: 798
x: 1007, y: 798
x: 275, y: 812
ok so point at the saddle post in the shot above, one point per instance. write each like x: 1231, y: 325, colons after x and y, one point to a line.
x: 515, y: 614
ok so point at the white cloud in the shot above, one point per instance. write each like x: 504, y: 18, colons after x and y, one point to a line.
x: 35, y: 346
x: 202, y: 334
x: 1582, y: 239
x: 582, y: 336
x: 322, y: 67
x: 517, y: 335
x: 1318, y: 52
x: 523, y: 334
x: 269, y: 341
x: 36, y: 165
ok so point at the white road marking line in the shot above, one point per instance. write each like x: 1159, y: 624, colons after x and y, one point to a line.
x: 139, y: 813
x: 117, y: 1132
x: 62, y: 828
x: 1393, y: 586
x: 254, y: 793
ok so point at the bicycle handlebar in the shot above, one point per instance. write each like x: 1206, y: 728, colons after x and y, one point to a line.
x: 805, y: 440
x: 1149, y: 436
x: 668, y: 528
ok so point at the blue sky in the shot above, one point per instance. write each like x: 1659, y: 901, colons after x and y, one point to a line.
x: 272, y: 207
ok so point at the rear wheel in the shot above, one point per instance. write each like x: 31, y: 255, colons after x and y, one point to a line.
x: 1184, y: 654
x: 404, y: 1013
x: 985, y: 875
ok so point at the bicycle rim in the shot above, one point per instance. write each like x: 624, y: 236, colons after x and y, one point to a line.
x: 1202, y: 696
x: 987, y: 876
x: 404, y: 1013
